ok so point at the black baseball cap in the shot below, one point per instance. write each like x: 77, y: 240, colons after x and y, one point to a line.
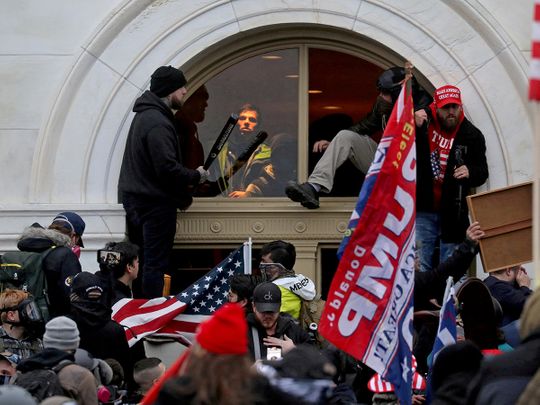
x: 267, y: 297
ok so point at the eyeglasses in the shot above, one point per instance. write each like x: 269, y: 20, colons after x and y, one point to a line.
x: 267, y: 266
x: 250, y: 119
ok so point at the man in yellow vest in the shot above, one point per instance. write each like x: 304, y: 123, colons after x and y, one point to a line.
x: 277, y: 262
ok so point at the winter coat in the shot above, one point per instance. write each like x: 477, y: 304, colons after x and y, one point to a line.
x: 60, y: 265
x: 431, y: 284
x: 152, y: 167
x: 286, y: 325
x: 76, y: 381
x: 100, y: 336
x: 511, y: 297
x: 502, y: 379
x: 294, y: 289
x: 453, y: 210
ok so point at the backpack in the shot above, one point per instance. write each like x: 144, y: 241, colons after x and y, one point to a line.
x: 43, y: 383
x: 310, y: 313
x: 24, y: 271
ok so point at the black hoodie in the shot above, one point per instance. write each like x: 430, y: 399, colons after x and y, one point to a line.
x: 152, y: 165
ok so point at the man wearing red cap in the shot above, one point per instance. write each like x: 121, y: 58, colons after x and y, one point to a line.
x: 451, y: 158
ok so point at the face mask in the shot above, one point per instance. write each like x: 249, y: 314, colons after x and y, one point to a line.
x: 29, y: 316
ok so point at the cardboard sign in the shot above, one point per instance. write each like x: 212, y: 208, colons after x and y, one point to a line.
x: 505, y: 215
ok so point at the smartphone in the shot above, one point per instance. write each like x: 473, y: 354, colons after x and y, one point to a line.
x: 273, y: 353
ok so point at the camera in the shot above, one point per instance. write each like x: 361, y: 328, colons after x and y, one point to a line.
x: 273, y: 353
x: 108, y: 257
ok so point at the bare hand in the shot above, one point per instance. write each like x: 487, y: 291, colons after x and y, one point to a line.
x: 474, y: 232
x: 418, y: 399
x: 420, y: 117
x: 461, y: 172
x: 522, y: 279
x: 286, y: 344
x: 320, y: 146
x: 238, y: 194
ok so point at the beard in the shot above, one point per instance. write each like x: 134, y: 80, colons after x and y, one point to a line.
x: 175, y: 103
x: 449, y: 123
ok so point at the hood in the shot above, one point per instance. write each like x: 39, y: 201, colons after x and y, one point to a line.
x: 149, y: 101
x: 47, y: 358
x: 90, y: 314
x: 37, y: 239
x: 299, y: 285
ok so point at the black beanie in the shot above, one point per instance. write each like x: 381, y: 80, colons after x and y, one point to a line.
x: 166, y: 80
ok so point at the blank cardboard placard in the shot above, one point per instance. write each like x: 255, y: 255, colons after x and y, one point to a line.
x: 505, y: 215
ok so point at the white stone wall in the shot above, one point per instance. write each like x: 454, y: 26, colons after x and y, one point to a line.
x: 71, y: 71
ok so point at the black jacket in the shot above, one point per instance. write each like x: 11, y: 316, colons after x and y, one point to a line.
x: 431, y: 284
x: 453, y: 210
x: 60, y: 265
x: 502, y: 379
x: 286, y: 325
x: 100, y: 336
x: 511, y: 297
x: 47, y: 358
x: 152, y: 165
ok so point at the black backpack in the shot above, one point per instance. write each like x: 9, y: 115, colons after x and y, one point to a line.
x: 24, y: 271
x: 43, y: 383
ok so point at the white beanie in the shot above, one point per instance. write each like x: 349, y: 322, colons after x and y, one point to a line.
x: 61, y: 333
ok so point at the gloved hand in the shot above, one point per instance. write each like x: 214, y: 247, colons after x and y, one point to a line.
x: 204, y: 174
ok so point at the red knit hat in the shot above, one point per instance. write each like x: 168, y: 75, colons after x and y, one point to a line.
x: 225, y: 332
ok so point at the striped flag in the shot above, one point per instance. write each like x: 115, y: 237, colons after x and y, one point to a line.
x: 534, y: 75
x: 447, y: 331
x: 378, y: 385
x: 368, y: 312
x: 178, y: 316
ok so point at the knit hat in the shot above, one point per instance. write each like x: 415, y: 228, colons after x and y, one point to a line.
x: 267, y: 297
x: 61, y: 333
x: 166, y: 80
x: 447, y: 95
x: 225, y: 332
x: 530, y: 316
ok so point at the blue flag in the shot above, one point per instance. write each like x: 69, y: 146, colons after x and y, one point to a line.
x: 447, y: 331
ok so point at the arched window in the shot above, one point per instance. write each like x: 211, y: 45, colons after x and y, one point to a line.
x: 297, y: 94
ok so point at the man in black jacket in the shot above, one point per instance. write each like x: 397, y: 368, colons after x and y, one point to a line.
x: 153, y: 182
x: 100, y: 336
x: 450, y: 159
x: 511, y: 287
x: 60, y: 263
x: 269, y: 328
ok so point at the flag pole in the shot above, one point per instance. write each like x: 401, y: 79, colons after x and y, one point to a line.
x: 247, y: 256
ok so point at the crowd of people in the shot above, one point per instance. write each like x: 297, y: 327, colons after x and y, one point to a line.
x: 59, y: 342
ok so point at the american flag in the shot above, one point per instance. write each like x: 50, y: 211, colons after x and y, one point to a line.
x: 178, y: 316
x: 534, y: 75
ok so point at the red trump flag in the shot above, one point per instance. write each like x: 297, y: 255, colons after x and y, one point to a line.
x: 368, y: 313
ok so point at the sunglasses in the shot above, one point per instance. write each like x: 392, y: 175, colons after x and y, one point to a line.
x: 250, y: 119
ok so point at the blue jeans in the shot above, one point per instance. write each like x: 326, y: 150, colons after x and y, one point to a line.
x: 428, y: 236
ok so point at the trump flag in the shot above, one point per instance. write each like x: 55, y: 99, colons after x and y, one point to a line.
x: 368, y: 312
x: 178, y: 316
